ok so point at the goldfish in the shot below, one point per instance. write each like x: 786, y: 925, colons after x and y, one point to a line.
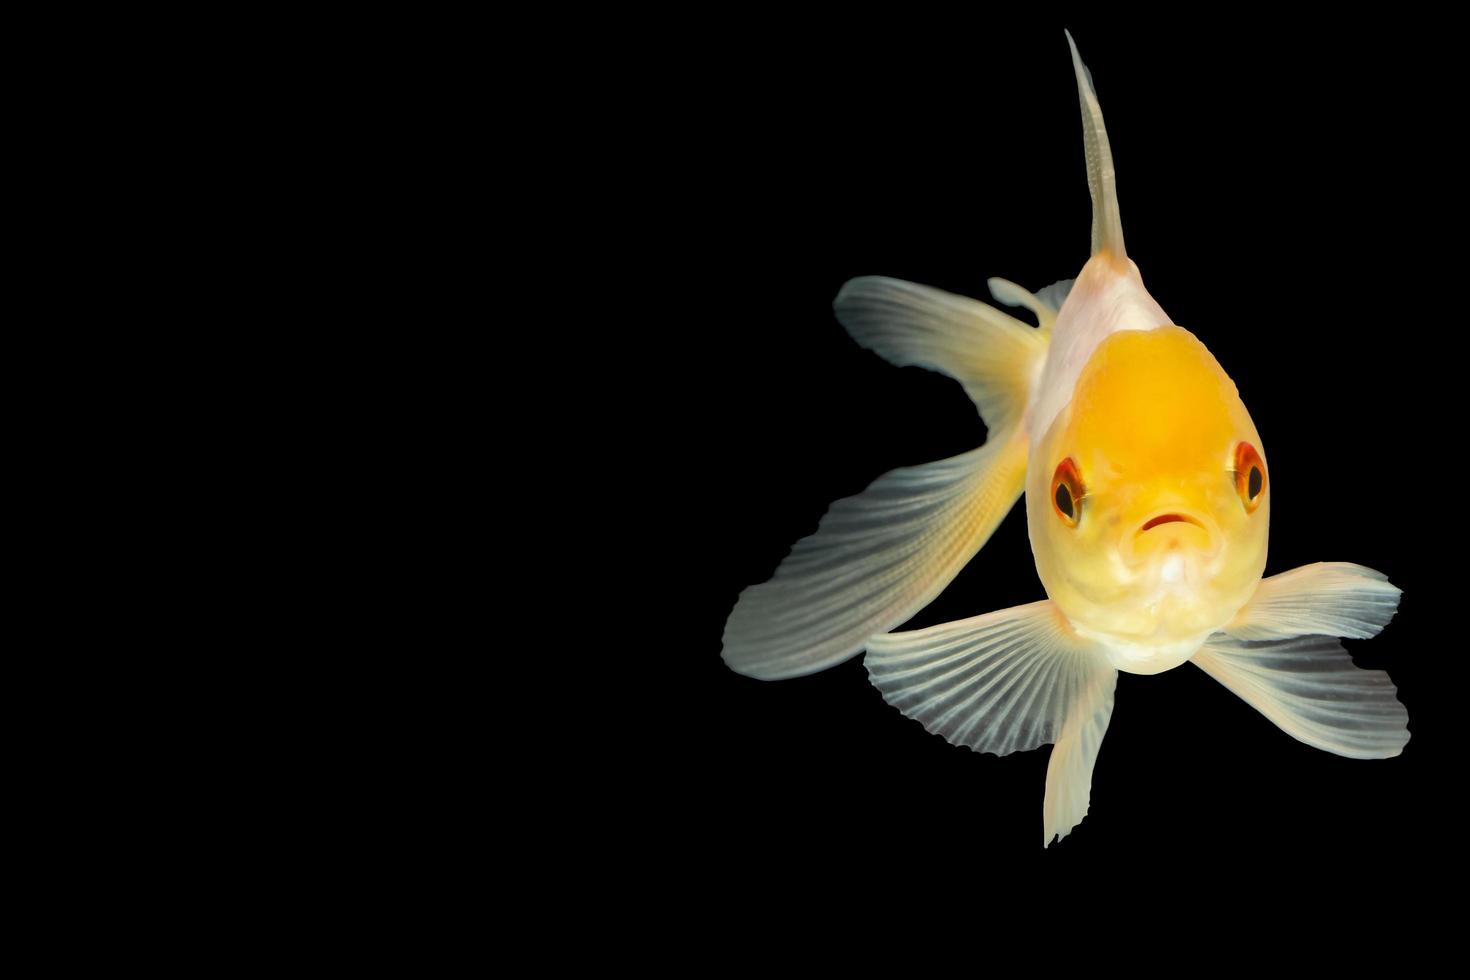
x: 1148, y: 502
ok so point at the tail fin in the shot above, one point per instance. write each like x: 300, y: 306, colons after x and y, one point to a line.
x: 1107, y: 226
x: 881, y: 556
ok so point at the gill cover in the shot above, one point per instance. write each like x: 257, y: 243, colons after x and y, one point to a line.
x: 1160, y: 550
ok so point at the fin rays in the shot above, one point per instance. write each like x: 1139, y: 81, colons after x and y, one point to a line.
x: 1107, y: 224
x: 1310, y: 689
x: 868, y: 568
x: 881, y: 556
x: 1279, y: 656
x: 1005, y: 682
x: 1326, y: 598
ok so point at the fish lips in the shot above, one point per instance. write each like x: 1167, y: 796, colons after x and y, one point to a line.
x: 1173, y: 537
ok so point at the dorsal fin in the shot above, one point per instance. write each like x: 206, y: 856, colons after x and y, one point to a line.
x: 1107, y: 227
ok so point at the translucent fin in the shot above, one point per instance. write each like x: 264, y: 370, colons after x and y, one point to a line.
x: 874, y: 561
x: 879, y: 557
x: 1056, y: 294
x: 1328, y: 598
x: 994, y: 355
x: 1107, y: 225
x: 1004, y: 682
x: 1069, y: 774
x: 1309, y: 687
x: 1045, y: 304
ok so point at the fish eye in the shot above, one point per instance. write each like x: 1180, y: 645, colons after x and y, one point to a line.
x: 1067, y: 492
x: 1250, y: 476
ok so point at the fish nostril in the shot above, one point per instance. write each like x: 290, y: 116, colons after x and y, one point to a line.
x: 1170, y: 519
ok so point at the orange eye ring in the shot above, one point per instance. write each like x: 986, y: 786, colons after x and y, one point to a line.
x: 1250, y: 476
x: 1067, y: 492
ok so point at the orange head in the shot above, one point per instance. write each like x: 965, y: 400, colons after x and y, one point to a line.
x: 1148, y: 499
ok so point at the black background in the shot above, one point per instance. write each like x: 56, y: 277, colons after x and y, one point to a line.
x: 1287, y: 194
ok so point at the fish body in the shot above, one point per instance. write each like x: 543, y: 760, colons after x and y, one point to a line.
x: 1148, y: 503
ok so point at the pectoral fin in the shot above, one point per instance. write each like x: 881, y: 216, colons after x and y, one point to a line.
x: 1004, y: 682
x: 1309, y: 687
x: 1279, y: 656
x: 1327, y: 599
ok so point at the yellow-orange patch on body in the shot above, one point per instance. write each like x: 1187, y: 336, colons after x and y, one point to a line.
x: 1161, y: 549
x: 1154, y: 402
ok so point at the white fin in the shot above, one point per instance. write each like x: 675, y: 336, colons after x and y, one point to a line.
x: 1069, y: 774
x: 1327, y: 598
x: 1107, y: 225
x: 1056, y: 294
x: 1045, y: 303
x: 875, y: 560
x: 1004, y: 682
x: 879, y: 557
x: 994, y: 355
x: 1309, y: 687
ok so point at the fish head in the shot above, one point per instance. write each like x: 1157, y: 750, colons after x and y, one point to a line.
x: 1148, y: 499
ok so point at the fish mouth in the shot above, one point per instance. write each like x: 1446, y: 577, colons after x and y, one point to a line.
x: 1192, y: 535
x: 1171, y: 518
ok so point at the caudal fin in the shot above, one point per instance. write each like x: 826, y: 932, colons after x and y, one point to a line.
x: 1107, y: 226
x: 877, y: 558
